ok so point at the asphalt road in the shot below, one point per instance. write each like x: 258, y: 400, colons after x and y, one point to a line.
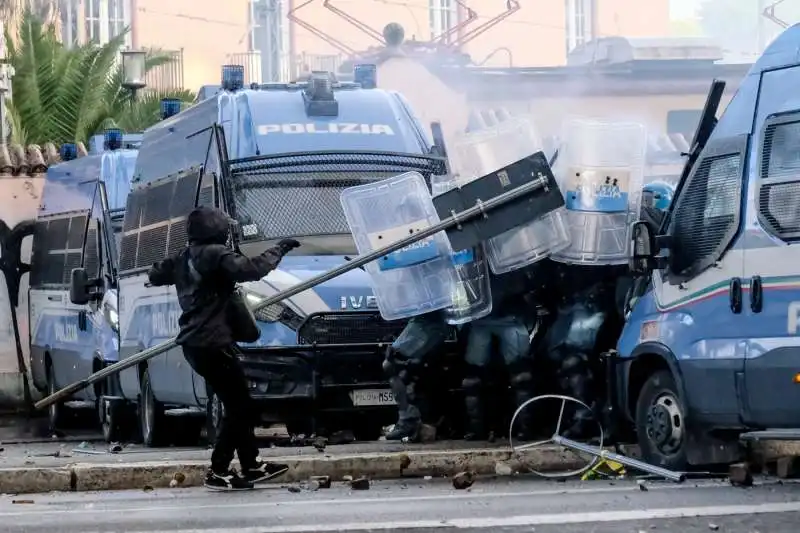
x: 504, y: 505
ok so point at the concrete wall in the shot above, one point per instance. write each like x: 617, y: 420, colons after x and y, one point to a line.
x: 20, y: 201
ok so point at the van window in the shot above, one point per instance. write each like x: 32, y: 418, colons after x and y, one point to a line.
x: 57, y: 249
x: 706, y: 214
x: 155, y: 219
x: 779, y: 190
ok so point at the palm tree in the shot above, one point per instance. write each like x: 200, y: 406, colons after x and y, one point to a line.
x: 66, y: 94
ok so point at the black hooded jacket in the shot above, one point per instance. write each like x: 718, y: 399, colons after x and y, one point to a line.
x: 204, y: 322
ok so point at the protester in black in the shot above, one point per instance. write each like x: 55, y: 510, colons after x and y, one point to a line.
x: 205, y: 274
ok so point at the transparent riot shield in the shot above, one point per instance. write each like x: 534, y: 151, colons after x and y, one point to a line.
x: 484, y: 151
x: 600, y: 169
x: 473, y: 294
x: 414, y: 280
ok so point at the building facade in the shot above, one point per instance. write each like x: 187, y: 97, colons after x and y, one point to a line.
x: 279, y: 39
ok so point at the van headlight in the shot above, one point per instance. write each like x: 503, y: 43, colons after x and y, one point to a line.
x: 112, y: 317
x: 271, y: 313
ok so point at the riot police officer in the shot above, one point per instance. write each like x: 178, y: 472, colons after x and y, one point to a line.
x: 509, y: 324
x: 404, y: 361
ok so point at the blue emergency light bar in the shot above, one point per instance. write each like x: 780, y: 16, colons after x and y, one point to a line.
x: 68, y: 151
x: 170, y: 107
x: 366, y: 75
x: 112, y: 139
x: 232, y: 77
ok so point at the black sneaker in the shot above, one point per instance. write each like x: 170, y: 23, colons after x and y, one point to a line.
x: 264, y: 471
x: 230, y: 480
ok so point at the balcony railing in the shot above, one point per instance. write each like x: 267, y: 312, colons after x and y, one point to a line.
x: 169, y: 76
x: 257, y: 70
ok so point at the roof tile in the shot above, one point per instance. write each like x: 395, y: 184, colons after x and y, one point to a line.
x: 18, y: 161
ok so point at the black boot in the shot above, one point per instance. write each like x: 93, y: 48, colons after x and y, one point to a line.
x: 522, y: 389
x: 473, y: 404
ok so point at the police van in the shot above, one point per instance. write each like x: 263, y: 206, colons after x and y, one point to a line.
x: 711, y: 352
x: 78, y: 226
x: 274, y: 157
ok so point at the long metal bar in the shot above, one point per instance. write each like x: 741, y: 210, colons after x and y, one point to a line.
x: 677, y: 477
x: 455, y: 220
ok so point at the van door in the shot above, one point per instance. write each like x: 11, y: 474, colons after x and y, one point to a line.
x: 772, y: 257
x: 60, y: 333
x: 700, y: 293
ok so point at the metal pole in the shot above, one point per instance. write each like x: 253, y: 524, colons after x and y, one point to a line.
x: 453, y: 221
x: 677, y: 477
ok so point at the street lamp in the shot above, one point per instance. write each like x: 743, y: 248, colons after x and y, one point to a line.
x: 133, y: 70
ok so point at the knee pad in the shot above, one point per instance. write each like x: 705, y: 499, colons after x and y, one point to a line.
x: 522, y: 379
x: 573, y: 363
x: 471, y: 384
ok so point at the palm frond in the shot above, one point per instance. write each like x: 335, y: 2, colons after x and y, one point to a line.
x: 68, y: 94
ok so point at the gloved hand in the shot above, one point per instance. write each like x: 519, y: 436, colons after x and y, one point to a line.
x: 287, y: 245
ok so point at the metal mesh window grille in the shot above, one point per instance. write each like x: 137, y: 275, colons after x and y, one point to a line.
x: 91, y: 255
x: 159, y: 230
x: 299, y: 195
x: 57, y: 249
x: 779, y: 191
x: 707, y: 213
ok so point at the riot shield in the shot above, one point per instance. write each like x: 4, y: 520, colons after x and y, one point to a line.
x: 600, y: 169
x: 484, y: 151
x: 414, y: 280
x: 473, y: 293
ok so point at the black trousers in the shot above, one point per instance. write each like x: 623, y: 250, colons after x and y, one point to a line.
x: 223, y: 373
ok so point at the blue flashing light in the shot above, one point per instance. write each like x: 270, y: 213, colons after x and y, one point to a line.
x: 112, y: 139
x: 232, y: 77
x: 68, y: 151
x: 366, y: 75
x: 170, y: 107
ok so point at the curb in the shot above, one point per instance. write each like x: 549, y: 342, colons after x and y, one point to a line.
x: 96, y: 477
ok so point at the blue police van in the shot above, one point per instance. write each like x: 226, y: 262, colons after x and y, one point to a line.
x: 78, y: 226
x: 711, y: 352
x: 274, y: 157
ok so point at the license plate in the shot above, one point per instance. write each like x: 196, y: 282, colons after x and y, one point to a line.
x: 372, y: 397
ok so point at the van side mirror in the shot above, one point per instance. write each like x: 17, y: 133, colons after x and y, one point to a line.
x: 79, y: 287
x: 643, y: 249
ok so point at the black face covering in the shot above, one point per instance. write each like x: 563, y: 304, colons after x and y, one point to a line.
x: 207, y: 225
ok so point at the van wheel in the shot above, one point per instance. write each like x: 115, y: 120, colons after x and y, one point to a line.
x: 215, y: 413
x: 111, y: 420
x: 151, y: 415
x: 56, y: 412
x: 661, y: 423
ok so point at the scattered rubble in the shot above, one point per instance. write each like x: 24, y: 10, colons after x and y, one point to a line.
x: 463, y: 480
x: 740, y: 475
x: 323, y: 482
x: 361, y: 483
x: 503, y: 469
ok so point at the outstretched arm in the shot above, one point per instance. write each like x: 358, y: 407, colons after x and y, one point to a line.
x: 239, y: 268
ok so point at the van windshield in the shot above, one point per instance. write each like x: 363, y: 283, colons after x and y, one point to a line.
x: 299, y: 196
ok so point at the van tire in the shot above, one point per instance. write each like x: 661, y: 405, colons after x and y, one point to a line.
x: 661, y: 423
x: 56, y: 412
x: 152, y: 420
x: 112, y: 421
